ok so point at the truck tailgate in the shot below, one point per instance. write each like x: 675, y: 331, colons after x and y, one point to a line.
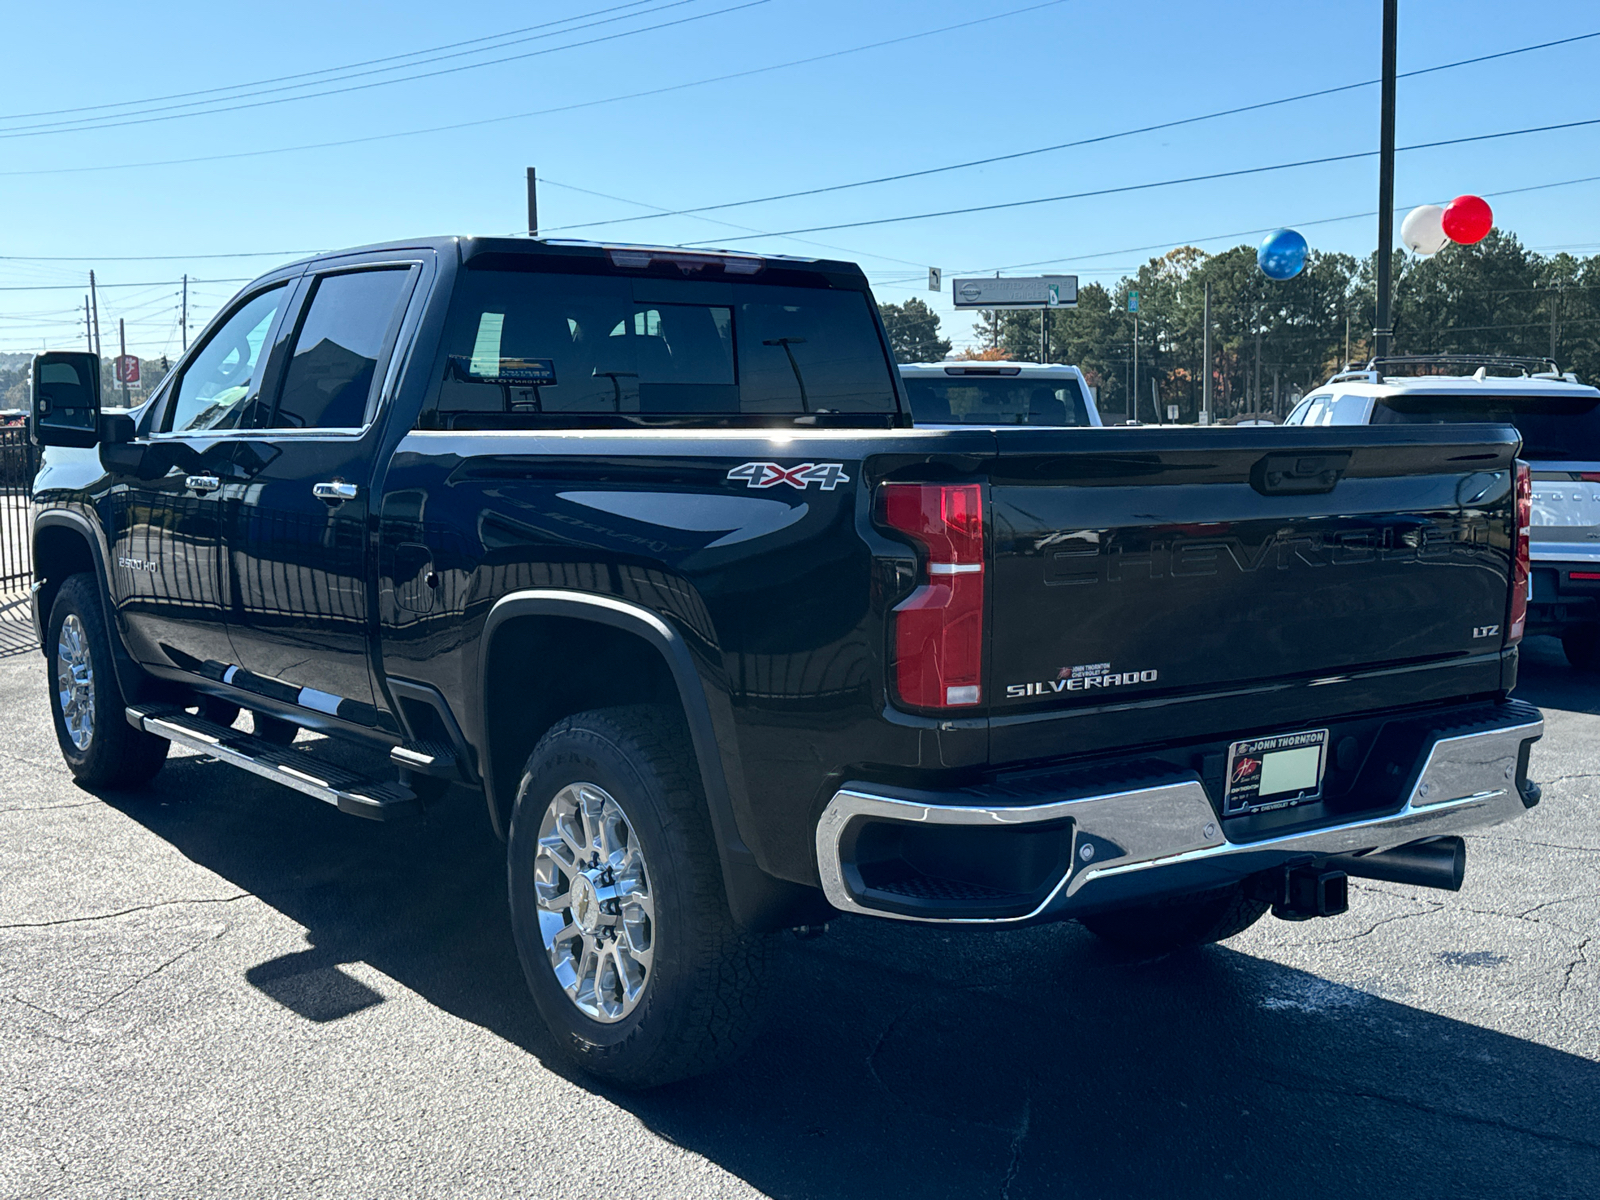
x: 1136, y: 563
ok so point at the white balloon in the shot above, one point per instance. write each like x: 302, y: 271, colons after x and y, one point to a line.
x: 1423, y: 230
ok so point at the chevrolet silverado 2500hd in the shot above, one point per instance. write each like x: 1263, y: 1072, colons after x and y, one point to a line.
x: 641, y: 547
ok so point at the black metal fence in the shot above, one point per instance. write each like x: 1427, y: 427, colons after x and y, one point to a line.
x: 18, y: 464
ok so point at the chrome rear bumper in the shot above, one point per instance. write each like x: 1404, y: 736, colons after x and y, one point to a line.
x: 1142, y: 842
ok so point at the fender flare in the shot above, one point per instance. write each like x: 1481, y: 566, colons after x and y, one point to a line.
x: 756, y: 899
x: 129, y: 674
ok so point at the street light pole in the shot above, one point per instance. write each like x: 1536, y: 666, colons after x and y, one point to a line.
x: 1385, y: 324
x: 1205, y: 360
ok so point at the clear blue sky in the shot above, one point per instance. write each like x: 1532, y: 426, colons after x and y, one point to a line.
x: 1062, y: 71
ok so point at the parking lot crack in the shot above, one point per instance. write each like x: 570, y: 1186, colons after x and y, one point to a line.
x: 1021, y: 1135
x: 1323, y: 1087
x: 1583, y: 958
x: 153, y: 972
x: 123, y: 912
x: 1378, y: 924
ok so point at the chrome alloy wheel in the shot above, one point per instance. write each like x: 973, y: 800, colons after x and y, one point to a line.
x: 75, y: 681
x: 596, y: 912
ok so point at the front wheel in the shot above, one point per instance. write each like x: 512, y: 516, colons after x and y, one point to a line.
x: 1191, y: 920
x: 1582, y: 644
x: 617, y: 902
x: 102, y: 750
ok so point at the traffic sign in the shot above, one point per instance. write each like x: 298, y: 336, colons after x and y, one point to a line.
x: 935, y: 279
x: 127, y: 368
x: 1040, y: 291
x: 1172, y: 412
x: 1133, y: 302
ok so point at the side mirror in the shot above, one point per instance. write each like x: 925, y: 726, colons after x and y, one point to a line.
x: 66, y: 398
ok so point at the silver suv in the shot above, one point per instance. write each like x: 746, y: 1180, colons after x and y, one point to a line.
x: 1559, y: 419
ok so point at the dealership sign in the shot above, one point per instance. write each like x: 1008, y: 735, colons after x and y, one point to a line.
x: 1039, y: 291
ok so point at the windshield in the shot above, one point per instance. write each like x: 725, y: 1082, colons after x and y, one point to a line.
x: 1553, y: 428
x: 538, y: 344
x: 995, y: 400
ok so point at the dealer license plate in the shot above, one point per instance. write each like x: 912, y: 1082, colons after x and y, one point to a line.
x: 1275, y: 772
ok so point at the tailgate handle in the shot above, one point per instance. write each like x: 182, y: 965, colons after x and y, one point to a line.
x: 1298, y: 474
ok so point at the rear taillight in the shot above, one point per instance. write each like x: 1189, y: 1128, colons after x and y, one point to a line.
x: 1519, y: 555
x: 938, y: 629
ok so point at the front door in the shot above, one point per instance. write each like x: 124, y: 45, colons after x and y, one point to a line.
x: 298, y: 551
x: 164, y: 505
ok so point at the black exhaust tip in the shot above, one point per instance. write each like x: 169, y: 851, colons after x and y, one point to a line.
x: 1434, y: 863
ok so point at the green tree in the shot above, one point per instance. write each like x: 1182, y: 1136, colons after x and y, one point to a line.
x: 913, y: 330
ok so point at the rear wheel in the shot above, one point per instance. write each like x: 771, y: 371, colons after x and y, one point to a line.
x: 1582, y: 644
x: 1191, y: 920
x: 274, y: 729
x: 617, y: 902
x: 101, y: 749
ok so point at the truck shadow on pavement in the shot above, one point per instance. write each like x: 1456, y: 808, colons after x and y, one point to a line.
x: 905, y: 1061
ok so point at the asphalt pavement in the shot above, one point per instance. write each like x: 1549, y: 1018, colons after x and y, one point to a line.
x: 217, y: 987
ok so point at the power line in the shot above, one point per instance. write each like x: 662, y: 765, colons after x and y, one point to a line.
x: 1140, y: 187
x: 543, y: 112
x: 360, y: 87
x: 1167, y: 245
x: 624, y: 200
x: 151, y: 257
x: 234, y: 87
x: 1090, y: 141
x: 78, y: 287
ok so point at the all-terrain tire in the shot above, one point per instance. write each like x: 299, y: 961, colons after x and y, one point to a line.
x: 1192, y: 920
x: 702, y: 994
x: 112, y: 753
x: 1582, y: 645
x: 277, y: 730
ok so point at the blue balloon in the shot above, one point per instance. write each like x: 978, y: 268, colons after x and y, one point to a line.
x: 1282, y: 255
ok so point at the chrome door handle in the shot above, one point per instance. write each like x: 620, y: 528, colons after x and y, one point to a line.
x: 201, y: 483
x: 337, y: 491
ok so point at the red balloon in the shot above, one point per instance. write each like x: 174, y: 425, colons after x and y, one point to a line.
x: 1467, y: 220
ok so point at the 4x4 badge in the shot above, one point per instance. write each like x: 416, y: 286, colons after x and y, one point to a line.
x: 771, y: 474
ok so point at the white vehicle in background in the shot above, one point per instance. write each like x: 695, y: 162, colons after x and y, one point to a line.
x: 1559, y: 420
x: 998, y: 393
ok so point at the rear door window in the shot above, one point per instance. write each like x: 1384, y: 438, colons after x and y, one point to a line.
x: 1553, y: 428
x: 536, y: 343
x: 332, y: 372
x: 995, y: 400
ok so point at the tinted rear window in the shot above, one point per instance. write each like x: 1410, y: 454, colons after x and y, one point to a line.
x: 524, y: 343
x: 995, y: 400
x: 1561, y: 428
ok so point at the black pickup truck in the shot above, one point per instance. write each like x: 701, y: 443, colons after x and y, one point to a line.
x: 641, y: 546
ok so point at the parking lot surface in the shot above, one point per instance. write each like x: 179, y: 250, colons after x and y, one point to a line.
x: 217, y: 987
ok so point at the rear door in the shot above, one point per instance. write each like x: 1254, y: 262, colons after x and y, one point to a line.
x: 297, y: 534
x: 1138, y: 564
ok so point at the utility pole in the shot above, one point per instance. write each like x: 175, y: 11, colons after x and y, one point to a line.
x: 1205, y: 360
x: 88, y: 326
x: 1555, y: 296
x: 533, y: 204
x: 1258, y: 364
x: 1044, y: 337
x: 94, y: 301
x: 1347, y: 339
x: 1133, y: 392
x: 183, y: 320
x: 122, y: 353
x: 1385, y: 323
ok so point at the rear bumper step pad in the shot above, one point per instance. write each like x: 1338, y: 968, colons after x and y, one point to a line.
x: 347, y: 791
